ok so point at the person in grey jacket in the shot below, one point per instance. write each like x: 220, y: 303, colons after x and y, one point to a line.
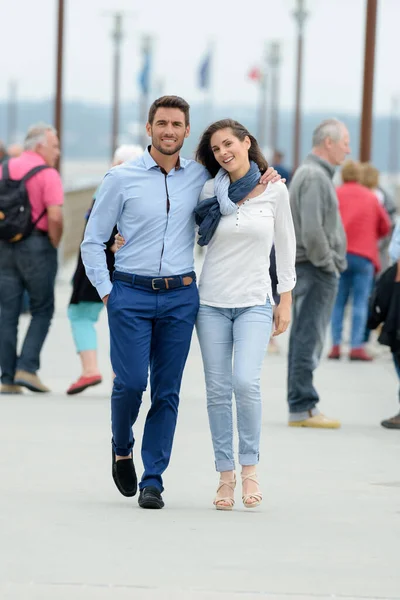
x: 320, y: 258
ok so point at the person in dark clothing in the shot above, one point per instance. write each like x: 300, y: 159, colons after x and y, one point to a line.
x: 86, y: 305
x: 370, y: 178
x: 286, y: 176
x: 278, y: 166
x: 83, y: 312
x: 385, y: 308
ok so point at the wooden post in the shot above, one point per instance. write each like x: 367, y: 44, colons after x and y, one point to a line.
x: 58, y: 113
x: 368, y: 91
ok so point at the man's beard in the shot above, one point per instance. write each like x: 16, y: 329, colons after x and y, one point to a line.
x: 167, y: 151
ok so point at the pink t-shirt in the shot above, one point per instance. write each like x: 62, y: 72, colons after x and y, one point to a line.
x: 44, y: 189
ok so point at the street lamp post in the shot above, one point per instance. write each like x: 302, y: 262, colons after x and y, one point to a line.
x: 145, y: 77
x: 393, y: 158
x: 274, y: 61
x: 300, y: 15
x: 117, y: 36
x: 262, y: 109
x: 368, y: 88
x: 59, y: 72
x: 260, y: 76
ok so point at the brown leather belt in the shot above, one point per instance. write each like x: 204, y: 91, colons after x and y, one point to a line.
x: 156, y: 283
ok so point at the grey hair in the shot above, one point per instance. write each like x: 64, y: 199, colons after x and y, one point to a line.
x: 127, y: 152
x: 37, y: 135
x: 330, y: 128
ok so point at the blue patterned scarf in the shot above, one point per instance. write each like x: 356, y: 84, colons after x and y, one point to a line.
x: 208, y: 212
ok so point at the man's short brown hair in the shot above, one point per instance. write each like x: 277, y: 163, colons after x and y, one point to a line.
x: 169, y: 102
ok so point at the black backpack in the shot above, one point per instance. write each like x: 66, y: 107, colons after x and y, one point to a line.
x: 15, y: 209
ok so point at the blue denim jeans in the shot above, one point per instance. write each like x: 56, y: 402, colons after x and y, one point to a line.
x: 29, y: 265
x: 149, y: 329
x: 233, y: 343
x: 313, y: 300
x: 355, y: 282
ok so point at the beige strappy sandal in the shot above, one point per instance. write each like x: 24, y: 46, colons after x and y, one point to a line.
x: 230, y: 501
x: 257, y: 496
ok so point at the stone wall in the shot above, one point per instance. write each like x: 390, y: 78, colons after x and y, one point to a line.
x: 77, y: 202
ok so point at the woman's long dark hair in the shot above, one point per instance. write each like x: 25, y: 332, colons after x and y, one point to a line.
x: 205, y: 155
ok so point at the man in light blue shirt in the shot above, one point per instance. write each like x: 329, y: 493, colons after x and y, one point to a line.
x: 154, y: 211
x: 153, y: 300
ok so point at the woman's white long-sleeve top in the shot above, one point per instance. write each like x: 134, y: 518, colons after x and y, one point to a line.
x: 235, y: 272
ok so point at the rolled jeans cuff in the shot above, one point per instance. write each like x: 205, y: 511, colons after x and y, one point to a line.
x: 247, y: 460
x: 224, y: 465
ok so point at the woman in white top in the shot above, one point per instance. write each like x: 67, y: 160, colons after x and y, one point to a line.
x: 235, y: 317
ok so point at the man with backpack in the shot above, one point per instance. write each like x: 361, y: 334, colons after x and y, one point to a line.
x: 31, y: 224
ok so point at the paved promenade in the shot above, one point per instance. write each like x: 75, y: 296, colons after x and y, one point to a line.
x: 329, y: 526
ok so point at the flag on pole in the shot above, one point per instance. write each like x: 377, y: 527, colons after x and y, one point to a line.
x: 204, y: 72
x: 255, y: 74
x: 144, y: 75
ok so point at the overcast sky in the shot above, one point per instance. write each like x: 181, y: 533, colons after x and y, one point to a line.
x: 333, y: 61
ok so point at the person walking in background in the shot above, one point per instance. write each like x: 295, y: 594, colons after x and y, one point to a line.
x: 369, y: 177
x: 365, y: 222
x: 385, y: 308
x: 152, y: 302
x: 3, y: 152
x: 235, y: 318
x: 13, y: 151
x: 320, y: 258
x: 285, y: 173
x: 277, y: 163
x: 31, y: 263
x: 85, y: 303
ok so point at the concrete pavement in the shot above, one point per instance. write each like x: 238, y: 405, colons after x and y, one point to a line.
x: 329, y: 526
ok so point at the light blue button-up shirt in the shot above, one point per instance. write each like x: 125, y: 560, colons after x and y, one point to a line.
x: 154, y: 213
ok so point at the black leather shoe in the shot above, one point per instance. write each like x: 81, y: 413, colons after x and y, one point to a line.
x: 150, y: 497
x: 124, y: 475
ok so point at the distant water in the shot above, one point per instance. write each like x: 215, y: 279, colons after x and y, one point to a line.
x: 82, y: 173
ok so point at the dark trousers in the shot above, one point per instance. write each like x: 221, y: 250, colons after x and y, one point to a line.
x: 29, y: 265
x: 396, y: 361
x: 313, y: 300
x: 149, y: 329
